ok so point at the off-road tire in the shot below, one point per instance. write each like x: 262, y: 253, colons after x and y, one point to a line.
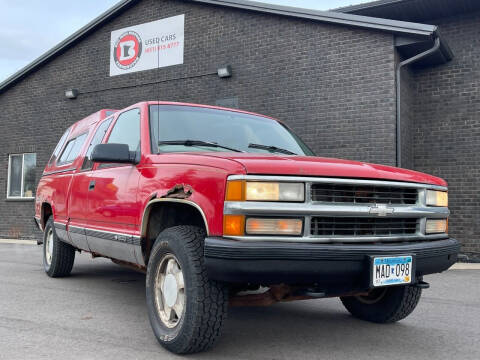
x: 396, y: 304
x: 206, y: 301
x: 63, y: 255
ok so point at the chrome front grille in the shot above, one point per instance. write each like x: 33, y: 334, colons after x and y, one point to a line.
x: 363, y: 194
x: 362, y: 226
x: 340, y: 210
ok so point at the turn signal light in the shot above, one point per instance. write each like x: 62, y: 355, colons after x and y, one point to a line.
x: 234, y: 225
x: 235, y: 190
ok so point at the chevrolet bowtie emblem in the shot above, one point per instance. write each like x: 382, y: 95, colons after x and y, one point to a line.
x: 381, y: 210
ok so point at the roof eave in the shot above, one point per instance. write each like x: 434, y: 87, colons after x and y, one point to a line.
x: 417, y: 31
x: 395, y: 26
x: 367, y: 5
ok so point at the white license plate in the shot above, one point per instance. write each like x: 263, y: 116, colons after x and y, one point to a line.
x: 392, y: 270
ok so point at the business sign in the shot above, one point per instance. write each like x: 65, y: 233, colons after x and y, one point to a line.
x: 147, y: 46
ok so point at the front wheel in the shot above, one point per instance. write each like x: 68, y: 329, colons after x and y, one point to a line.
x: 384, y: 305
x: 186, y: 309
x: 58, y: 257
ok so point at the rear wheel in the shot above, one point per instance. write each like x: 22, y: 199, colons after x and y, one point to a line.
x: 186, y: 308
x: 58, y: 257
x: 384, y: 305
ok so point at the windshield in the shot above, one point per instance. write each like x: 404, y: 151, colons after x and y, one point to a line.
x: 176, y: 128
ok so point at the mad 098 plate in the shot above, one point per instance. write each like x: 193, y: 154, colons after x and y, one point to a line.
x: 391, y: 270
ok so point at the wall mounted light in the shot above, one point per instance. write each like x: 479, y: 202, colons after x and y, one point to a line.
x: 71, y: 94
x: 225, y: 71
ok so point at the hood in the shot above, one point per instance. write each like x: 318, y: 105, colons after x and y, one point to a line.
x: 261, y: 164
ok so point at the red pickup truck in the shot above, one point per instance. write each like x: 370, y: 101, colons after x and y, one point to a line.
x: 221, y: 206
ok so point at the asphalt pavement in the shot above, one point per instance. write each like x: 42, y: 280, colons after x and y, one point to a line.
x: 99, y: 313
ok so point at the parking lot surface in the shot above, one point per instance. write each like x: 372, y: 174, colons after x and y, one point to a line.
x: 99, y: 313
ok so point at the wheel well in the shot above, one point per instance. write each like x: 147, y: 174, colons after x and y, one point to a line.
x: 163, y: 215
x: 46, y: 213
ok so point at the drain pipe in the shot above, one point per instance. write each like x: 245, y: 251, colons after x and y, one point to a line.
x: 399, y: 88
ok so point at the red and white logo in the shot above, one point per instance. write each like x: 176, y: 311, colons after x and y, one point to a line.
x: 127, y: 50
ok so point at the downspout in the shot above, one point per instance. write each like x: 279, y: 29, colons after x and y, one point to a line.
x: 408, y: 61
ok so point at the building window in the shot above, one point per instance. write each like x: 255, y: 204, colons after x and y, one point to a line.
x: 21, y: 176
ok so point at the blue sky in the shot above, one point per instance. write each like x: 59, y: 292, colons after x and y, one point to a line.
x: 28, y: 28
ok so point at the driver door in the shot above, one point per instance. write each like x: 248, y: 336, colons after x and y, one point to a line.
x: 113, y: 210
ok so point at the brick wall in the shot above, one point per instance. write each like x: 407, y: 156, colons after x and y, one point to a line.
x: 447, y: 126
x: 333, y: 85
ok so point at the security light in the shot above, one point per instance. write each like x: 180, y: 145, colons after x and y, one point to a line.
x: 225, y: 71
x: 71, y: 94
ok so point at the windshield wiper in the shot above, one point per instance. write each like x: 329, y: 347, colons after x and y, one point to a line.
x: 197, y: 143
x: 271, y: 148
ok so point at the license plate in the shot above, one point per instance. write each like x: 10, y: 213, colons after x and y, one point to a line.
x: 392, y: 270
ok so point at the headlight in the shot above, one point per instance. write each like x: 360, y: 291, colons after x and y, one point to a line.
x: 437, y: 198
x: 434, y: 226
x: 259, y: 226
x: 238, y: 190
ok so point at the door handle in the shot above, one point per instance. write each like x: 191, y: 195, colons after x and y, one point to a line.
x: 91, y: 186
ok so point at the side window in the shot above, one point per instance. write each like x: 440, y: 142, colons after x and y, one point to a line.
x: 127, y: 130
x: 97, y: 139
x: 59, y: 147
x: 72, y: 149
x: 21, y: 175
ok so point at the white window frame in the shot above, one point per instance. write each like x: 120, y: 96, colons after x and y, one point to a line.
x: 21, y: 197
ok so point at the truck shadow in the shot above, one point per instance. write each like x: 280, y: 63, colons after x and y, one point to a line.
x: 312, y: 329
x: 307, y: 329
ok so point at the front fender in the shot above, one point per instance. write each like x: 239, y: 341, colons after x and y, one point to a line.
x: 149, y: 205
x: 200, y: 186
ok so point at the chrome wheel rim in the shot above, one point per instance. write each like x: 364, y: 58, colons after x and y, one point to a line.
x: 373, y: 297
x: 49, y: 247
x: 169, y: 291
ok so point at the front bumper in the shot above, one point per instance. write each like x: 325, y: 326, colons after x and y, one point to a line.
x: 344, y: 266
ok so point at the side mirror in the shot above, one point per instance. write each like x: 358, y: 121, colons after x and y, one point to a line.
x: 113, y: 153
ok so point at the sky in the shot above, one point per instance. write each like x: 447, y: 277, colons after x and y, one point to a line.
x: 29, y: 28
